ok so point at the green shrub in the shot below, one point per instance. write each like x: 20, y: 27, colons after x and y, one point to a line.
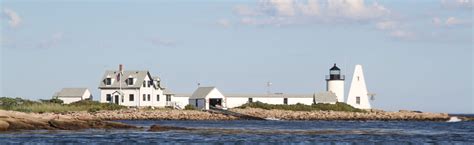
x: 301, y: 107
x: 93, y: 109
x: 189, y: 107
x: 54, y: 105
x: 54, y: 100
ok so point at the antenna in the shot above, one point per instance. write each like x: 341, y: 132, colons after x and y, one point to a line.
x: 269, y: 84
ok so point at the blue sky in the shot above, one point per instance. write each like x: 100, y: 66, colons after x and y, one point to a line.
x: 416, y: 55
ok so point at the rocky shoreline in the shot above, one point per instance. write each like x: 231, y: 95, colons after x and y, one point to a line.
x: 168, y: 114
x: 11, y: 120
x: 15, y: 121
x: 335, y: 115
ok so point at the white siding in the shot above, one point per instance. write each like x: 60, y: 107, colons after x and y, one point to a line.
x: 69, y: 100
x: 233, y: 102
x: 337, y: 87
x: 180, y: 101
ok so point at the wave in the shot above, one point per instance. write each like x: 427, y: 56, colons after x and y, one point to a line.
x: 454, y: 119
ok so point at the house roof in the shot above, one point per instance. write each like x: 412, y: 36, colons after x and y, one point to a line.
x: 167, y: 92
x: 71, y: 92
x: 138, y: 75
x: 325, y: 97
x: 202, y: 92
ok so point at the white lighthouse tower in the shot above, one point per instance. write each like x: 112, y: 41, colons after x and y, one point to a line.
x: 358, y: 94
x: 335, y: 83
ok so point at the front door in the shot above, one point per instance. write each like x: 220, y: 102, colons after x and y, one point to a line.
x: 117, y: 99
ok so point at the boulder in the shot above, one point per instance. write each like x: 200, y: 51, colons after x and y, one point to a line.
x: 4, y: 125
x: 68, y: 124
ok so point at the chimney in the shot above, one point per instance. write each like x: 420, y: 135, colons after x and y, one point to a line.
x: 120, y: 68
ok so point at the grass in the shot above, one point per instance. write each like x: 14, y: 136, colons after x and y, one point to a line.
x: 23, y: 105
x: 301, y: 107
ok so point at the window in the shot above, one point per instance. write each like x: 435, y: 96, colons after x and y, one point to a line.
x: 130, y: 81
x: 250, y: 100
x: 149, y: 97
x: 144, y: 83
x: 357, y: 100
x: 131, y: 97
x: 122, y: 98
x: 109, y: 97
x: 157, y: 97
x: 358, y: 78
x: 196, y: 103
x: 108, y: 81
x: 168, y: 97
x: 285, y: 101
x: 149, y: 83
x: 144, y: 97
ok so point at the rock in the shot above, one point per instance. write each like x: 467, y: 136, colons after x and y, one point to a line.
x: 4, y: 125
x: 68, y: 124
x: 159, y: 128
x: 15, y: 124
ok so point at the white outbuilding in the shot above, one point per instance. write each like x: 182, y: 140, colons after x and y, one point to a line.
x: 207, y: 97
x: 358, y: 94
x: 69, y: 95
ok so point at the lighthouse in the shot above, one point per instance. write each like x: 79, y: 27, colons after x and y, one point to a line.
x: 335, y: 83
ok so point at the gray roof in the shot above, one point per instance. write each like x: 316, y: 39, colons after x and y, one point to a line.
x: 325, y: 97
x: 271, y: 95
x: 167, y: 92
x: 182, y: 95
x: 202, y: 92
x: 71, y: 92
x: 138, y: 75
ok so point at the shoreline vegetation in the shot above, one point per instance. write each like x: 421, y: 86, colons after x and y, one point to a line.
x: 20, y: 114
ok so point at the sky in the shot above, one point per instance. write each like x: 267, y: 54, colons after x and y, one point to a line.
x: 417, y: 55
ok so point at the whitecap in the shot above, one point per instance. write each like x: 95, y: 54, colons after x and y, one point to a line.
x: 454, y: 119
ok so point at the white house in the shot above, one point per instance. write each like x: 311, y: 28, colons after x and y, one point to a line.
x: 133, y: 88
x: 207, y: 97
x: 69, y: 95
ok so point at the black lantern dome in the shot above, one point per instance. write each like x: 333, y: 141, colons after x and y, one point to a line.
x: 335, y: 73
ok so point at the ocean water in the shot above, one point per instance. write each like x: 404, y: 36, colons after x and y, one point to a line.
x: 263, y: 132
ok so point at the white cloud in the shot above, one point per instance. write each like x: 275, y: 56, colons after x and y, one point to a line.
x: 355, y: 9
x: 224, y: 23
x: 402, y: 34
x: 453, y: 21
x: 312, y: 8
x: 386, y: 25
x: 245, y: 10
x: 52, y: 41
x: 450, y: 22
x: 14, y: 19
x: 463, y: 4
x: 281, y: 12
x: 282, y: 7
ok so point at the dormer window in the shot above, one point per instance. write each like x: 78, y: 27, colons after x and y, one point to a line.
x: 130, y: 81
x: 108, y: 81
